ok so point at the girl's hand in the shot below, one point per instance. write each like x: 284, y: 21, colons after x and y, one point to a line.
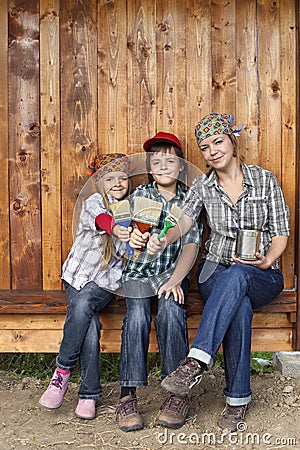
x: 155, y: 245
x: 169, y: 289
x: 138, y: 239
x: 121, y: 232
x: 261, y: 262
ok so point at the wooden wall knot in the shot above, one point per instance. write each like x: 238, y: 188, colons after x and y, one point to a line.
x: 163, y: 27
x: 34, y: 129
x: 275, y: 88
x: 19, y: 204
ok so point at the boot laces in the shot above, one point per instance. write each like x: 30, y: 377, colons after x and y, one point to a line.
x: 174, y: 403
x: 189, y: 366
x: 128, y: 407
x: 57, y: 380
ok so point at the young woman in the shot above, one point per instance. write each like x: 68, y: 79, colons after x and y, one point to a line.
x: 233, y: 196
x: 160, y: 280
x: 91, y: 273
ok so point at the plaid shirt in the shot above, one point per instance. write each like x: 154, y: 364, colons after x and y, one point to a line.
x: 157, y: 269
x: 260, y: 207
x: 83, y: 263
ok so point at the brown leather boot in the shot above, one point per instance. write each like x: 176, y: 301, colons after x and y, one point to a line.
x: 173, y: 412
x: 231, y: 417
x: 127, y: 414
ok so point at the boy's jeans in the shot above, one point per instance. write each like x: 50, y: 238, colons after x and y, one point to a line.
x: 230, y: 294
x: 171, y: 332
x: 81, y: 336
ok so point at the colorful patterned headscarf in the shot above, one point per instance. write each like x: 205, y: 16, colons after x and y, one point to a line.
x: 110, y: 162
x: 214, y: 124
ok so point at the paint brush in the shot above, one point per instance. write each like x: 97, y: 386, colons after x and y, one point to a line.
x: 122, y: 215
x: 146, y: 215
x: 173, y: 217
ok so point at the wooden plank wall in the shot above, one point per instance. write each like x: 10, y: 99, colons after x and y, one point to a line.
x: 80, y: 76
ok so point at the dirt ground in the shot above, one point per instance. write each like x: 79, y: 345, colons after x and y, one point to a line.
x: 272, y: 421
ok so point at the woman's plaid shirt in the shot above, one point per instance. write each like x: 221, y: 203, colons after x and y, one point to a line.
x: 260, y: 207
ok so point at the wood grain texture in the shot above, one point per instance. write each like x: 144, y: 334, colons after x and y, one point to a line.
x: 171, y: 67
x: 4, y: 156
x: 288, y: 128
x: 112, y: 77
x: 50, y: 143
x: 142, y: 73
x: 199, y: 75
x: 247, y: 79
x: 224, y: 56
x: 78, y: 59
x: 85, y: 76
x: 269, y: 86
x: 24, y: 144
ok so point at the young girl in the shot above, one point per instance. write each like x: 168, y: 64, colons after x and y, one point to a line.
x: 160, y: 280
x: 234, y: 196
x: 91, y: 273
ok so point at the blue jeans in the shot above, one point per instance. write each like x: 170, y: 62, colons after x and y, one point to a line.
x: 81, y: 336
x: 171, y: 332
x: 230, y: 294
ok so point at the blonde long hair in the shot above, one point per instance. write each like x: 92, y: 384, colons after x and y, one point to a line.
x: 107, y: 240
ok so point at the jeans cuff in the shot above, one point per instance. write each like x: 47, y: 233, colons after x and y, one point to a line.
x: 133, y: 383
x: 202, y: 356
x: 238, y: 401
x: 90, y: 397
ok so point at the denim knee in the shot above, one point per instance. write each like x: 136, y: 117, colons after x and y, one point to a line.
x: 82, y: 306
x: 138, y: 313
x: 170, y: 311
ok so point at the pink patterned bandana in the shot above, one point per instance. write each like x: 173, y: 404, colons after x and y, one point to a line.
x: 214, y: 124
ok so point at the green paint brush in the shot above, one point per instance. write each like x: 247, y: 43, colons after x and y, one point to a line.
x: 175, y: 214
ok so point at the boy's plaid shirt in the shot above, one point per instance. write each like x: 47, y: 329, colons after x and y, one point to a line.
x: 157, y: 269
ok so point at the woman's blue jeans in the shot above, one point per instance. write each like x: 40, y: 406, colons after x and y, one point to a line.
x: 81, y: 336
x: 230, y: 294
x: 171, y: 332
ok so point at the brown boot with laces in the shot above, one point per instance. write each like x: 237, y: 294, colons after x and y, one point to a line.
x: 127, y: 414
x: 231, y: 417
x: 173, y: 412
x: 187, y: 375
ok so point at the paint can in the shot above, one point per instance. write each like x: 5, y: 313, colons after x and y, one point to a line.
x: 247, y: 244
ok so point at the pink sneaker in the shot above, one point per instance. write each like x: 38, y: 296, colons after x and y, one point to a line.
x: 54, y: 395
x: 86, y: 408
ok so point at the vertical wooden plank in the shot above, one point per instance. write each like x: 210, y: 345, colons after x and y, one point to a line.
x: 50, y: 143
x: 199, y: 72
x: 270, y: 86
x: 247, y: 82
x: 112, y: 77
x: 4, y: 193
x: 297, y: 215
x: 24, y: 141
x: 224, y: 56
x: 78, y: 103
x: 287, y: 16
x: 171, y: 67
x: 141, y: 73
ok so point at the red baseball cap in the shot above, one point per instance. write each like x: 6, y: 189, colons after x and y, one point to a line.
x: 161, y: 136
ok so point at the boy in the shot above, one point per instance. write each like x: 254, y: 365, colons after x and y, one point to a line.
x: 163, y: 279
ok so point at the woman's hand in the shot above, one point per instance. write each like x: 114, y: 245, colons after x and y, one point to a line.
x: 261, y: 261
x: 169, y: 289
x: 155, y: 245
x: 264, y: 262
x: 138, y: 239
x: 122, y: 233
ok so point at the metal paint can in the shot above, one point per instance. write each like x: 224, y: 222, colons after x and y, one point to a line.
x: 247, y: 244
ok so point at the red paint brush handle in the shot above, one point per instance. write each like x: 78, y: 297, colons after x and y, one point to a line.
x: 143, y: 227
